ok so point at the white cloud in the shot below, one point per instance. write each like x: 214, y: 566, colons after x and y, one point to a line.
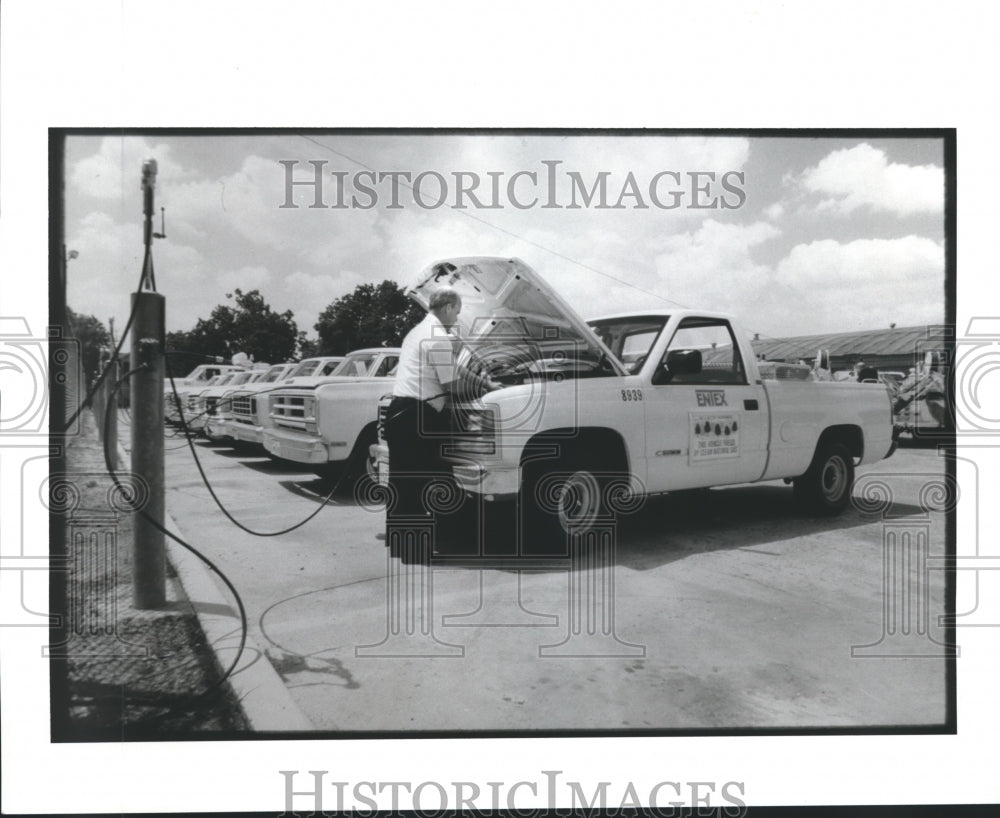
x: 863, y: 284
x: 114, y: 172
x: 246, y: 279
x: 106, y: 269
x: 307, y: 295
x: 712, y: 267
x: 248, y: 203
x: 227, y: 230
x: 862, y: 176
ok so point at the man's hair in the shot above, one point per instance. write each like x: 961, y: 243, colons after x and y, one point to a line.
x: 443, y: 298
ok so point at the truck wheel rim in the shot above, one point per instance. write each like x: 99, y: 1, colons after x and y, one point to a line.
x: 579, y: 501
x: 834, y: 478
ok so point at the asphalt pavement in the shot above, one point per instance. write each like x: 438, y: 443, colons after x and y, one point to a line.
x: 715, y: 611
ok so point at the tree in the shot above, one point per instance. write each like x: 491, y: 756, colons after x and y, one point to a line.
x: 92, y: 335
x: 251, y: 327
x: 373, y: 315
x: 307, y: 347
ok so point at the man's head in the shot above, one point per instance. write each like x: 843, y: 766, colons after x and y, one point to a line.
x: 446, y: 304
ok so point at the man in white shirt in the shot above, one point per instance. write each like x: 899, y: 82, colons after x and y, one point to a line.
x: 418, y: 419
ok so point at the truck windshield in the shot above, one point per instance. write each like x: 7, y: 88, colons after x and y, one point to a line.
x: 630, y: 338
x: 273, y: 374
x: 356, y: 364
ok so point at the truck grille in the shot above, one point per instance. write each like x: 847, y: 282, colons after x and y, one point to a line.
x: 294, y: 412
x: 380, y: 428
x: 245, y: 409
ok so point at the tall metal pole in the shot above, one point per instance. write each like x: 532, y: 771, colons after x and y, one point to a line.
x: 111, y: 405
x: 146, y: 394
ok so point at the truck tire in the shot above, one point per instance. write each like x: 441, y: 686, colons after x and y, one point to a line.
x: 361, y: 469
x: 825, y: 490
x: 559, y: 498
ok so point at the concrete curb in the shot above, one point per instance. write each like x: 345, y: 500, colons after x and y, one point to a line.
x: 266, y: 702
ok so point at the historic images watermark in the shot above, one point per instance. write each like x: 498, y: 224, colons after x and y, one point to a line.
x: 549, y: 187
x: 31, y: 366
x: 28, y: 365
x: 90, y: 507
x: 909, y: 563
x: 668, y: 798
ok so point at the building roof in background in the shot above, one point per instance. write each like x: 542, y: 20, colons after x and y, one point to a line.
x: 897, y: 341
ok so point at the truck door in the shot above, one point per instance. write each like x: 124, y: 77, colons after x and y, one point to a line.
x: 706, y: 425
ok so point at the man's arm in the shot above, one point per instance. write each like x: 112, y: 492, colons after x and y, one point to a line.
x: 455, y: 376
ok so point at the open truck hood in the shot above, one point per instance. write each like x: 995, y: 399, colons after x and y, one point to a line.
x: 505, y: 305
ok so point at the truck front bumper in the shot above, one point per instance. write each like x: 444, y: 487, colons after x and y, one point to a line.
x: 217, y: 428
x: 248, y: 434
x: 300, y: 447
x: 492, y: 482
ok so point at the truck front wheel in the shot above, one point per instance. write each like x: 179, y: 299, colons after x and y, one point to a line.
x: 825, y: 489
x: 558, y: 500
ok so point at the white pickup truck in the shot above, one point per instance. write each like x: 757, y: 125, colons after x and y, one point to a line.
x: 196, y: 380
x: 330, y: 424
x: 649, y: 402
x: 249, y: 404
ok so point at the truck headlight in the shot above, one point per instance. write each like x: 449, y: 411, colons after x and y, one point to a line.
x: 476, y: 431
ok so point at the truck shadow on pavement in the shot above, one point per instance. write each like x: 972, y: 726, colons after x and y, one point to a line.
x: 673, y: 526
x: 320, y: 490
x: 269, y: 466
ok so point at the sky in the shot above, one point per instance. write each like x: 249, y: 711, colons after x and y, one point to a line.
x: 793, y: 235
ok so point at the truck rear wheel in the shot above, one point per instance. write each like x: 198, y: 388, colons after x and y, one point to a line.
x: 825, y: 489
